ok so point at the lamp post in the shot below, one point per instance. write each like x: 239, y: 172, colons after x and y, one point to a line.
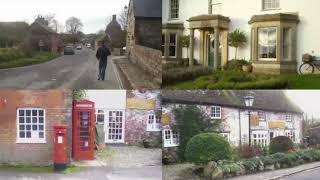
x: 249, y: 99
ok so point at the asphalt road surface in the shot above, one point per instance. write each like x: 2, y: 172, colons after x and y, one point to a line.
x: 79, y: 71
x: 313, y: 174
x: 99, y: 173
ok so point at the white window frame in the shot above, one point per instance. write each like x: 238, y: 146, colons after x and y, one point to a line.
x: 268, y: 28
x: 32, y: 140
x: 259, y: 138
x: 274, y: 5
x: 288, y: 117
x: 104, y: 113
x: 176, y: 8
x: 213, y: 114
x: 170, y: 140
x: 175, y: 46
x: 155, y: 126
x: 216, y: 3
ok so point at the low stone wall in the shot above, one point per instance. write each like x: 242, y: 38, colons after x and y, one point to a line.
x: 149, y: 60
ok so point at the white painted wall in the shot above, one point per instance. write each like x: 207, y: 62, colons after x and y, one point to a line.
x: 108, y: 99
x: 241, y: 11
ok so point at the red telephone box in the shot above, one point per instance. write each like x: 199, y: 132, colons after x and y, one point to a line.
x: 83, y: 130
x: 60, y: 154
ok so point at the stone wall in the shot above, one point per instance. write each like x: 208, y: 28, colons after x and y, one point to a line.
x: 57, y: 104
x: 149, y: 60
x: 148, y: 32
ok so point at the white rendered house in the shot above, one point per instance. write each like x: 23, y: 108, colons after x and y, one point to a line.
x: 278, y: 32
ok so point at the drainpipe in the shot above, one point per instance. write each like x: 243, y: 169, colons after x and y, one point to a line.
x: 240, y: 137
x: 209, y: 6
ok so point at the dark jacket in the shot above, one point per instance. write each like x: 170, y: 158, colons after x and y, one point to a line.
x: 102, y: 53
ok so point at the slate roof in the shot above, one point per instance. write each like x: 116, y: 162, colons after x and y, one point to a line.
x: 264, y: 99
x: 44, y: 27
x: 147, y: 8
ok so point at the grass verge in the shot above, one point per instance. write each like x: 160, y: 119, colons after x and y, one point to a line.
x: 38, y: 57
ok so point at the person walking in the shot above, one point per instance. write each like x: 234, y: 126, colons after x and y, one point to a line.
x: 102, y: 55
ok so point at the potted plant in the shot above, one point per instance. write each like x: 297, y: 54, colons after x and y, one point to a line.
x: 237, y: 38
x: 247, y: 67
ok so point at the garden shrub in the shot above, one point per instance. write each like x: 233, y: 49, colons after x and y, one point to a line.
x: 190, y: 121
x: 236, y: 65
x: 8, y: 54
x: 247, y: 151
x: 207, y: 147
x: 231, y: 168
x: 281, y: 144
x: 184, y: 74
x: 252, y: 165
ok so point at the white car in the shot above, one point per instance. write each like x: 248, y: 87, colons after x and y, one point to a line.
x: 79, y: 47
x: 88, y: 45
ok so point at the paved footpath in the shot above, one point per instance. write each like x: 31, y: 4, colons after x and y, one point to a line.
x: 304, y: 172
x: 94, y: 173
x: 78, y: 71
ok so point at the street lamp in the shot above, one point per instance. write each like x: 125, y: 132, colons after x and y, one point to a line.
x: 249, y: 99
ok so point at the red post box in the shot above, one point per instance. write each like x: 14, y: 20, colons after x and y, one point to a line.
x: 60, y: 154
x: 83, y: 130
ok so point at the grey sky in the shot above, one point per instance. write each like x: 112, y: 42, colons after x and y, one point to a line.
x: 93, y: 13
x: 307, y: 99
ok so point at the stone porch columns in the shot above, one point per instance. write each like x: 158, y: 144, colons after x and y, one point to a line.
x: 216, y: 47
x: 191, y: 48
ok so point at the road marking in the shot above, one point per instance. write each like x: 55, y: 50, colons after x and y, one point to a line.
x: 117, y: 75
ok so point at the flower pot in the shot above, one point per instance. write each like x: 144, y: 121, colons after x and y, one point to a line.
x: 247, y: 68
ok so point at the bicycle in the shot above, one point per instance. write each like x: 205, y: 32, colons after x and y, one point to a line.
x: 309, y: 64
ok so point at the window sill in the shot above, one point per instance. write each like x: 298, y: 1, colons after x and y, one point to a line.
x: 31, y: 142
x: 271, y: 9
x: 153, y: 130
x: 171, y: 146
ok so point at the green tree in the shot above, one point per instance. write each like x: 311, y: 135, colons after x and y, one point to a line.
x: 237, y: 38
x: 79, y: 94
x: 191, y: 121
x: 185, y: 42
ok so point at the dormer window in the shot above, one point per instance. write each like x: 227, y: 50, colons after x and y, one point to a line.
x: 270, y: 4
x: 174, y: 9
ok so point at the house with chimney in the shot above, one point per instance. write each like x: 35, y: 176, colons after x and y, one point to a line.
x: 278, y: 32
x: 272, y: 114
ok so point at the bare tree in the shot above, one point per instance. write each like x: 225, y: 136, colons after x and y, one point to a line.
x: 73, y: 25
x: 48, y: 20
x: 123, y: 18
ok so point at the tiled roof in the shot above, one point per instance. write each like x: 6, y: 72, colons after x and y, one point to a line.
x: 264, y: 99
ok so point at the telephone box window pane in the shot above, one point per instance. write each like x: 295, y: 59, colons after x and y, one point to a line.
x: 28, y: 127
x: 40, y: 112
x: 40, y: 127
x: 28, y: 120
x: 34, y: 127
x: 22, y: 127
x: 34, y: 120
x: 34, y: 113
x: 41, y: 120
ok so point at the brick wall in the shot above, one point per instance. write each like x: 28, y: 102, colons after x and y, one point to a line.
x: 149, y: 60
x: 57, y: 104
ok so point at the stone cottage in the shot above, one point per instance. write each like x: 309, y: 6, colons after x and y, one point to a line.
x: 144, y: 36
x: 115, y: 34
x: 12, y: 33
x: 27, y: 119
x: 272, y: 114
x: 279, y: 32
x: 127, y: 117
x: 40, y: 35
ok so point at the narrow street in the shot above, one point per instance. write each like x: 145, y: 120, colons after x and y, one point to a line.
x: 312, y: 174
x: 78, y: 71
x: 93, y: 173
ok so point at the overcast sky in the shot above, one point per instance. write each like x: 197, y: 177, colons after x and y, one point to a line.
x: 93, y: 13
x: 308, y: 100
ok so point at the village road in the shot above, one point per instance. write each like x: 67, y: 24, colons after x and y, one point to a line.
x: 94, y: 173
x: 78, y: 71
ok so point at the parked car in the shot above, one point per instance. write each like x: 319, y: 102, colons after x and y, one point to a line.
x: 69, y: 50
x: 79, y: 47
x: 88, y: 45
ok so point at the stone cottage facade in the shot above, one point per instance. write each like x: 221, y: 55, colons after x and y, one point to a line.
x: 27, y: 120
x: 49, y: 39
x: 271, y: 115
x: 144, y: 36
x: 127, y: 117
x: 278, y: 32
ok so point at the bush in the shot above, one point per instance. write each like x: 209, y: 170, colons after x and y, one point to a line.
x: 236, y: 65
x: 281, y: 144
x: 247, y: 151
x: 8, y: 54
x: 252, y: 165
x: 184, y: 74
x: 207, y: 147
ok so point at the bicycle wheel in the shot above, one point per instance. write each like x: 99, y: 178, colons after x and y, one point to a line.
x: 306, y: 68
